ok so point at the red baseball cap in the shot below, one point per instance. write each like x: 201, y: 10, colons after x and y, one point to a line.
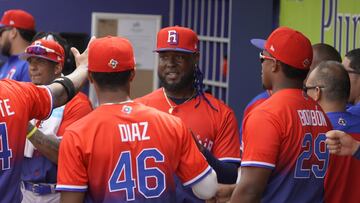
x: 177, y: 38
x: 111, y: 54
x: 288, y: 46
x: 19, y: 19
x: 46, y: 49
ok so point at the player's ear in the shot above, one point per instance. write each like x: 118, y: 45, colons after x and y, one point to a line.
x: 317, y: 94
x: 90, y: 78
x: 58, y: 69
x: 132, y: 75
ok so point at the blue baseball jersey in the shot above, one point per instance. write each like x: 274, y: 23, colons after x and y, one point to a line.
x: 15, y: 69
x: 286, y: 134
x: 19, y: 102
x: 342, y: 179
x: 354, y: 109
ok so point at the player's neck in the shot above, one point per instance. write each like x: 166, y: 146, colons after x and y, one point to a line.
x: 112, y: 97
x: 285, y: 84
x: 180, y: 93
x: 332, y: 106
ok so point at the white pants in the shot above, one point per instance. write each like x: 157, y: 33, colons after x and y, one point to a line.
x: 30, y: 197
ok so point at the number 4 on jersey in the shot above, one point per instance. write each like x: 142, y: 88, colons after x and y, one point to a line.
x: 5, y: 151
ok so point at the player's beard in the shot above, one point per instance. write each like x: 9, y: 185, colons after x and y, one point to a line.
x: 5, y: 49
x: 185, y: 82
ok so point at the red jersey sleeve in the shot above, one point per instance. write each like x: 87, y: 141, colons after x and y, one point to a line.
x: 77, y: 108
x: 39, y: 97
x: 193, y: 165
x: 261, y: 137
x: 72, y: 175
x: 227, y: 147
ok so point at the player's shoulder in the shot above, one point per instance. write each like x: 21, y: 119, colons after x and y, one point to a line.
x: 153, y: 113
x: 217, y: 103
x: 79, y: 98
x: 152, y: 96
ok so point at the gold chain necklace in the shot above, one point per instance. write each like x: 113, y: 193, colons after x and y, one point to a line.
x: 172, y: 107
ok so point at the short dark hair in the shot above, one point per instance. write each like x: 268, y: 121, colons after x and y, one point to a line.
x: 354, y: 57
x: 111, y: 81
x: 294, y: 73
x: 27, y: 35
x: 326, y: 52
x: 335, y: 79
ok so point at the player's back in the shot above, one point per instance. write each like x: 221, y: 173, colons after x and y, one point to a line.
x: 290, y: 142
x: 131, y: 152
x: 17, y: 107
x: 342, y: 181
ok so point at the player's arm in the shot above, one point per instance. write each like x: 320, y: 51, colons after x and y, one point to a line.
x: 252, y: 185
x: 340, y: 143
x: 48, y: 145
x: 77, y: 79
x: 205, y: 188
x: 72, y: 197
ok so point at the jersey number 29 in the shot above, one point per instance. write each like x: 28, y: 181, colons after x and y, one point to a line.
x: 128, y: 183
x: 5, y: 151
x: 312, y: 147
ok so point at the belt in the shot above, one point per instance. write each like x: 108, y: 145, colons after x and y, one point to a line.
x: 40, y: 188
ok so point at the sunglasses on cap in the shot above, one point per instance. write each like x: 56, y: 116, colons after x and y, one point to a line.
x: 263, y: 57
x: 40, y: 50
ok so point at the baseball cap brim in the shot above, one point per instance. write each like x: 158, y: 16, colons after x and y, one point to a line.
x: 259, y: 43
x: 26, y: 56
x: 174, y: 49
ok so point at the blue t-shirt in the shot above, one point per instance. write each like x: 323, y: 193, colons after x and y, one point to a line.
x: 15, y: 69
x: 354, y: 109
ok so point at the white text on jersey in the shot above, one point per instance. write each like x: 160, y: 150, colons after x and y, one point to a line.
x: 134, y: 132
x: 312, y: 118
x: 5, y: 108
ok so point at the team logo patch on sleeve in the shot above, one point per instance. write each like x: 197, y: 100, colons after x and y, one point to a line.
x: 127, y: 109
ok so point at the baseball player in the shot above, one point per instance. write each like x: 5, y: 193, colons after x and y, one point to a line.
x: 212, y: 122
x: 21, y: 102
x: 17, y: 28
x: 329, y: 85
x: 283, y: 137
x: 123, y: 150
x: 352, y: 66
x: 321, y: 52
x: 38, y: 172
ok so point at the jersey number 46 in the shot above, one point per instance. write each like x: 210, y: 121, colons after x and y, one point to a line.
x: 128, y: 183
x: 312, y: 147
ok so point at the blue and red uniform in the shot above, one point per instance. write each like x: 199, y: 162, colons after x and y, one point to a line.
x: 286, y: 134
x: 38, y: 169
x: 354, y: 109
x: 19, y: 103
x: 342, y: 179
x: 217, y: 129
x: 256, y: 101
x: 128, y: 152
x: 15, y: 69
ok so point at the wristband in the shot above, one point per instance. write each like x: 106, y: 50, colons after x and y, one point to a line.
x: 31, y: 133
x: 68, y: 85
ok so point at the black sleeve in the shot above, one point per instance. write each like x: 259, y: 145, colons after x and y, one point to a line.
x: 226, y: 172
